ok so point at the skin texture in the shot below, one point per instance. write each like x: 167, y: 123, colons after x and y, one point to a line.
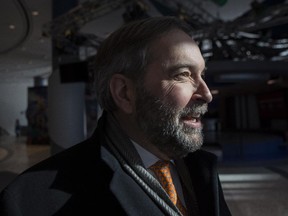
x: 163, y: 113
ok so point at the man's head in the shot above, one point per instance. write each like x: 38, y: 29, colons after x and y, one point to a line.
x: 149, y: 73
x: 126, y: 51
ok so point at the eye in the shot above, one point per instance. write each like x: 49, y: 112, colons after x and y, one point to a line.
x: 185, y: 74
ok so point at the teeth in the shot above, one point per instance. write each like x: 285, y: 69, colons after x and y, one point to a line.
x: 196, y: 115
x: 194, y: 118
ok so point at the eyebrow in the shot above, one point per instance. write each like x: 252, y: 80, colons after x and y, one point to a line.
x: 179, y: 66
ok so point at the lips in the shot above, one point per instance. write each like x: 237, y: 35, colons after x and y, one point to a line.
x: 192, y: 120
x: 193, y: 117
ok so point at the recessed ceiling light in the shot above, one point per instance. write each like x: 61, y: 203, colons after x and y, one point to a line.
x: 35, y: 13
x: 12, y: 27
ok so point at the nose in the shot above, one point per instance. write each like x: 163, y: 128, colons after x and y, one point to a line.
x: 202, y: 92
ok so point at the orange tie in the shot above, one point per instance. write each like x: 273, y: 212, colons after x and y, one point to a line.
x: 162, y: 171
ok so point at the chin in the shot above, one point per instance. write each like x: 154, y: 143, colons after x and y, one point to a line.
x: 183, y: 152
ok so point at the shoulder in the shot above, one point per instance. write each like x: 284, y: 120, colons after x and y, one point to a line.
x: 67, y: 163
x: 66, y: 167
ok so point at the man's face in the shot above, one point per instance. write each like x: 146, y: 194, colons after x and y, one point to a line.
x: 173, y: 96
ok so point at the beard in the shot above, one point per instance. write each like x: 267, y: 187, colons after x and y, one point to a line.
x: 161, y: 123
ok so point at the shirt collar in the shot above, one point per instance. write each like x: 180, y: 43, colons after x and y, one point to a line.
x: 147, y: 157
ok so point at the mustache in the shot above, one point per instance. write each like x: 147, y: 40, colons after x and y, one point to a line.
x: 195, y: 109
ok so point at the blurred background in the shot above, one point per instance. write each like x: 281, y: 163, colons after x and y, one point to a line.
x: 47, y: 102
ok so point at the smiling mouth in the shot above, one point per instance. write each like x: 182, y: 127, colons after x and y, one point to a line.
x: 193, y: 120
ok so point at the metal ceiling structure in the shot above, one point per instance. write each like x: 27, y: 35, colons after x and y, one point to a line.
x: 259, y: 34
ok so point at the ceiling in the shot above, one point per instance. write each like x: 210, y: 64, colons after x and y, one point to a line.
x: 24, y: 52
x: 239, y: 31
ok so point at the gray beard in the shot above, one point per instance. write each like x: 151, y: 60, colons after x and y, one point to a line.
x: 161, y: 124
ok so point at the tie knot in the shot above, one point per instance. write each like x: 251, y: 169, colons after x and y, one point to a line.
x: 160, y: 166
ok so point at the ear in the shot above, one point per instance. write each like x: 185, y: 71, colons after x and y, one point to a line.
x: 122, y: 91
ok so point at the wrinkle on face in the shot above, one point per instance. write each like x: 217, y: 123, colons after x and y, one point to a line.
x: 175, y: 53
x: 168, y: 89
x: 166, y: 106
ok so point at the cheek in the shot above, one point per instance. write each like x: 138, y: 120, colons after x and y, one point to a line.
x: 179, y: 94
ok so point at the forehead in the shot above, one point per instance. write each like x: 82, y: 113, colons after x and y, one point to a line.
x: 176, y: 47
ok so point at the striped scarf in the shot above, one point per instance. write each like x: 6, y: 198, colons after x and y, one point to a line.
x: 128, y: 157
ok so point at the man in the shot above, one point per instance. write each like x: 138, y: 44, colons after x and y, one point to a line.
x: 149, y: 81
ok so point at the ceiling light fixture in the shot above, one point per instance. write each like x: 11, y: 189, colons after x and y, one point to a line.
x: 35, y: 13
x: 12, y: 27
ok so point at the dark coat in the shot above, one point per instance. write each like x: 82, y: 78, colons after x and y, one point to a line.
x: 86, y: 179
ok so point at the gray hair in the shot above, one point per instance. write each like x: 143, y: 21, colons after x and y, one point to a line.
x: 126, y: 51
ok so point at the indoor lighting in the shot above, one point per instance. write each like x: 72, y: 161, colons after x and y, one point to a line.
x: 214, y: 92
x: 35, y: 13
x: 12, y: 27
x: 272, y: 81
